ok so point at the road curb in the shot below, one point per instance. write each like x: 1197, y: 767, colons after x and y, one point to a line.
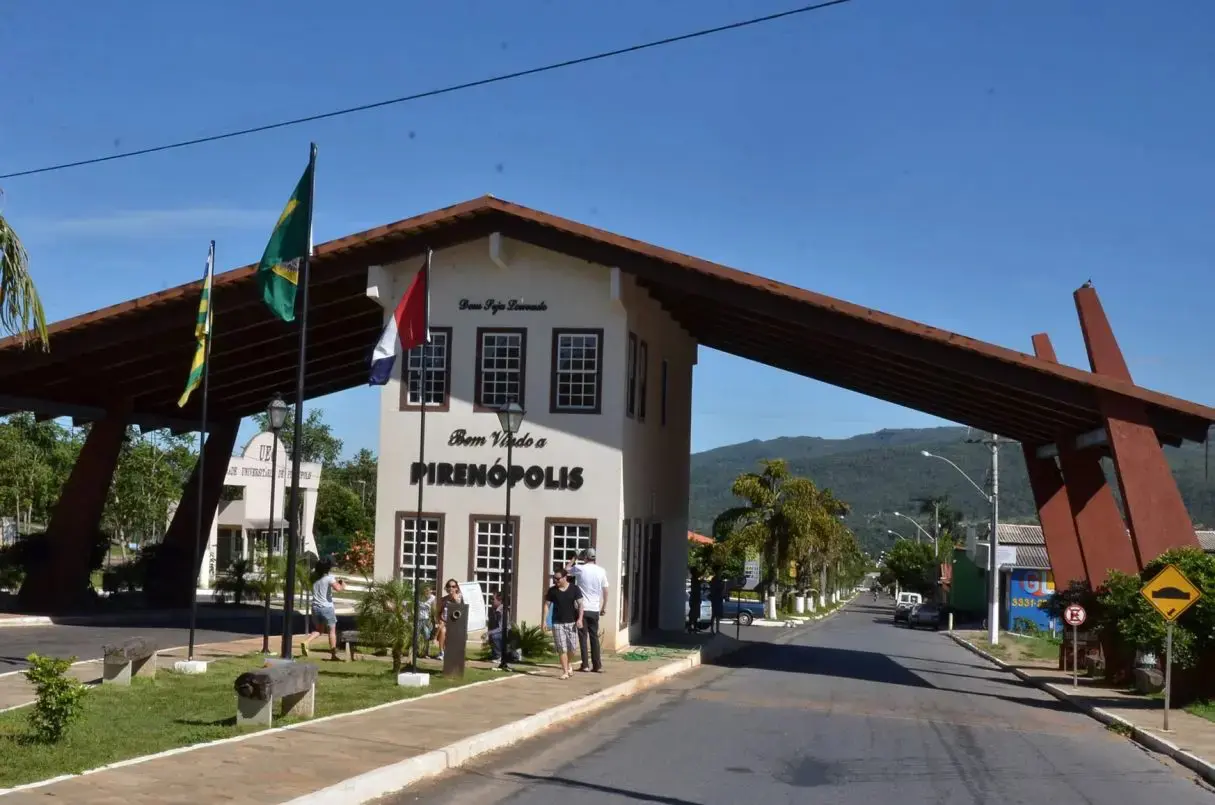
x: 1202, y: 768
x: 26, y: 620
x: 397, y: 776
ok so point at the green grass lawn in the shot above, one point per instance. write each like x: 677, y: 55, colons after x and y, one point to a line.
x: 175, y: 710
x: 1202, y: 710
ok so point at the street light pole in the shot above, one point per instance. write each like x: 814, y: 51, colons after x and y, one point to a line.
x: 993, y: 565
x: 276, y: 415
x: 993, y: 541
x: 510, y: 419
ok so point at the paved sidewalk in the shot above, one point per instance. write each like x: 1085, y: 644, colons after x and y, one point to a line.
x: 280, y: 765
x: 1190, y: 739
x: 16, y: 691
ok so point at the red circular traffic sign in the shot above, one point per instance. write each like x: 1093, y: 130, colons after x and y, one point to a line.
x: 1074, y: 615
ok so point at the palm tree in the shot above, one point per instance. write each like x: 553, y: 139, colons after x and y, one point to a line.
x: 21, y: 312
x: 777, y: 521
x: 385, y: 618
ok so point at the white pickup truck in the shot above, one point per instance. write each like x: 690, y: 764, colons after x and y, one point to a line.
x: 904, y: 603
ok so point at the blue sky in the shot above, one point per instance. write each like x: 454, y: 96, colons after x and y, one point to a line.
x: 966, y: 163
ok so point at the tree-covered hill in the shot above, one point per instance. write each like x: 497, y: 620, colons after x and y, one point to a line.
x: 885, y: 472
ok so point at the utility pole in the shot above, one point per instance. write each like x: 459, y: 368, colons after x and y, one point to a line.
x: 993, y: 442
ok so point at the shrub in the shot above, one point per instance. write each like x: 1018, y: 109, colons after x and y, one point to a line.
x: 59, y: 697
x: 531, y: 641
x: 385, y: 618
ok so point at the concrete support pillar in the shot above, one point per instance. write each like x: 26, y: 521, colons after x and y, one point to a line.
x: 60, y: 581
x: 1155, y: 512
x: 169, y: 582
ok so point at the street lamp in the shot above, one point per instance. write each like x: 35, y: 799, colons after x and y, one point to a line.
x: 897, y: 536
x: 993, y: 541
x: 510, y: 419
x: 276, y: 417
x: 915, y: 523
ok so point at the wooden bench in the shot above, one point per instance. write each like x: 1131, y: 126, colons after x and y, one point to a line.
x: 292, y: 683
x: 133, y: 657
x: 351, y: 639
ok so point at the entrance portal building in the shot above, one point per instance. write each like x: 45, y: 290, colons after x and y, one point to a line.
x: 601, y: 461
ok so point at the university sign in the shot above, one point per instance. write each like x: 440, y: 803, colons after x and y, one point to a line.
x: 495, y: 475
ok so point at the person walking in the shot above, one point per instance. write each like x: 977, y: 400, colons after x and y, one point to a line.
x: 592, y: 581
x: 566, y: 603
x: 324, y: 615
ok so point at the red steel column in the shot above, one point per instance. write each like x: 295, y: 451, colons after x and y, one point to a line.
x: 61, y: 580
x: 1100, y: 531
x: 168, y: 584
x: 1155, y: 512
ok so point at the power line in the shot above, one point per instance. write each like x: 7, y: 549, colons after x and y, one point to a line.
x: 482, y: 82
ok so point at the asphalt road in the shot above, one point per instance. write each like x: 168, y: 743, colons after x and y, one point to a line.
x: 852, y: 711
x: 85, y: 642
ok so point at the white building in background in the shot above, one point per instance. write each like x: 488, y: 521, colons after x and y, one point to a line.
x: 602, y: 459
x: 244, y: 513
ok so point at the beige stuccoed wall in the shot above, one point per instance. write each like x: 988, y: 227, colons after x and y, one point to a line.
x: 577, y: 295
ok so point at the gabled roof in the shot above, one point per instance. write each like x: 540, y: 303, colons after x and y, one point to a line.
x: 134, y: 354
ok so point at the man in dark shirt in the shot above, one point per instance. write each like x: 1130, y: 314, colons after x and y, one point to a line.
x: 564, y: 602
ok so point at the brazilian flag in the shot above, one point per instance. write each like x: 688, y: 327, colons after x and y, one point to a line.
x: 278, y: 274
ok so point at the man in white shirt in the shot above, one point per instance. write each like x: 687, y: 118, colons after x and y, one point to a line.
x: 592, y: 580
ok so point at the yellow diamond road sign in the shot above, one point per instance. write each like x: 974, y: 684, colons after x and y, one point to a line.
x: 1171, y: 593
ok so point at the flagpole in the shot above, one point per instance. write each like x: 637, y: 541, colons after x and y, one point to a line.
x: 293, y: 524
x: 202, y: 435
x: 417, y: 523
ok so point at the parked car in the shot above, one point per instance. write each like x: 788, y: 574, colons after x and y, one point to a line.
x: 927, y: 615
x: 904, y: 604
x: 750, y: 610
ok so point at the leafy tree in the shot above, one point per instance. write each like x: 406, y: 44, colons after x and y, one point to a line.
x: 912, y: 565
x: 320, y: 445
x: 21, y: 312
x: 359, y: 475
x: 339, y: 510
x: 152, y: 471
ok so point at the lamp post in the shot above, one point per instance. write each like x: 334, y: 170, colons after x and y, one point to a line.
x: 897, y: 536
x: 276, y: 416
x: 510, y: 419
x: 915, y: 523
x: 993, y: 540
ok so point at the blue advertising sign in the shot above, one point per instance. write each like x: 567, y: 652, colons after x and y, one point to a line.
x: 1027, y: 590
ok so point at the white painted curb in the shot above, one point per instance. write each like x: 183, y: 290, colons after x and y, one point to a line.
x: 1203, y: 768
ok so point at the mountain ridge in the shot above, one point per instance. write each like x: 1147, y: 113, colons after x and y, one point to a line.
x: 884, y: 471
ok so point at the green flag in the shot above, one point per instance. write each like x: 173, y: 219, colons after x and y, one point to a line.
x: 278, y: 274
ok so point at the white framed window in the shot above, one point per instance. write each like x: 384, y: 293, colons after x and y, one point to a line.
x: 428, y: 536
x: 566, y: 540
x: 490, y: 554
x: 577, y: 373
x: 427, y: 372
x: 501, y: 367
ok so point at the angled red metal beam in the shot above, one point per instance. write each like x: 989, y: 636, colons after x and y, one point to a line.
x: 1054, y: 510
x: 1098, y: 522
x: 1155, y: 513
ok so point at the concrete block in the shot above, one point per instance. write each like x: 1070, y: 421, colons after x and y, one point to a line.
x: 192, y: 667
x: 116, y: 673
x: 300, y: 705
x: 1148, y: 680
x: 145, y: 668
x: 409, y: 680
x: 254, y: 712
